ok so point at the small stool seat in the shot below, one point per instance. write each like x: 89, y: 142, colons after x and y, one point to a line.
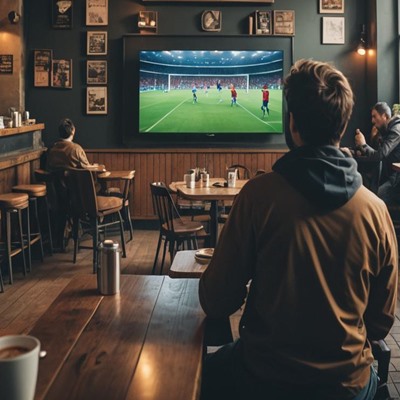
x: 34, y: 190
x: 14, y: 200
x: 14, y: 204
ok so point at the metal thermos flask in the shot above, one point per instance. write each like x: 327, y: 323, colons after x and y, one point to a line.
x: 108, y: 271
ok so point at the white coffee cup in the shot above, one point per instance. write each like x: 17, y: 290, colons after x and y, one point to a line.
x: 19, y: 362
x: 232, y: 178
x: 189, y: 180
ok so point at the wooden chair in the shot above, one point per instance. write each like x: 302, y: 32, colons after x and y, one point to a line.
x: 91, y: 210
x: 242, y: 173
x: 174, y: 230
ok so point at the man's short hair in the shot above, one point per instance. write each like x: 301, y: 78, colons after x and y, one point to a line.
x: 65, y: 128
x: 382, y: 108
x: 321, y: 100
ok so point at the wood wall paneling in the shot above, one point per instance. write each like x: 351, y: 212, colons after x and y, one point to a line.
x: 169, y: 165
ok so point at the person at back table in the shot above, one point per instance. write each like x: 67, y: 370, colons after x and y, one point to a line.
x: 65, y: 153
x: 320, y: 253
x: 385, y: 147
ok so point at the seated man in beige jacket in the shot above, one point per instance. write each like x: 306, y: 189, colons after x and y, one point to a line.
x: 321, y: 254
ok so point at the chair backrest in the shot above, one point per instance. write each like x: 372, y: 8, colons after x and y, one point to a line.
x: 242, y: 171
x: 82, y: 192
x: 163, y: 205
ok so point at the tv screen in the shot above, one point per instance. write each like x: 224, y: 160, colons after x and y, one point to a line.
x: 177, y: 90
x: 210, y: 91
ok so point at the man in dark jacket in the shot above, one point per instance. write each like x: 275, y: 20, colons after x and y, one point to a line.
x: 385, y: 147
x: 320, y: 253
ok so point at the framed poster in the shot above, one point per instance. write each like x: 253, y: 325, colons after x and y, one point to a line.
x: 331, y: 6
x: 42, y: 67
x: 96, y: 12
x: 61, y: 74
x: 6, y: 63
x: 96, y: 72
x: 333, y: 30
x: 284, y: 22
x: 263, y: 23
x: 211, y: 21
x: 61, y: 14
x: 96, y: 100
x: 96, y: 43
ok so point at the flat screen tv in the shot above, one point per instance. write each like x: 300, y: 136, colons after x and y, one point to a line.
x: 186, y: 91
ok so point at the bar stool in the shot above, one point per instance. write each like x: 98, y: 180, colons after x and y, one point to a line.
x: 15, y: 203
x: 36, y: 192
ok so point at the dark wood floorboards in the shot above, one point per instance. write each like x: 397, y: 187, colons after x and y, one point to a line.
x: 23, y: 302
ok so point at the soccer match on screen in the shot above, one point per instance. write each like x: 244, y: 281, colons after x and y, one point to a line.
x: 210, y: 92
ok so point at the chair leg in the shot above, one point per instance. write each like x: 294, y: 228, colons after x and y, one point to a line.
x: 8, y: 245
x: 38, y: 230
x: 128, y: 220
x: 46, y: 204
x: 157, y: 253
x: 95, y: 243
x: 75, y: 238
x: 121, y: 228
x: 163, y: 256
x: 21, y: 238
x: 1, y: 281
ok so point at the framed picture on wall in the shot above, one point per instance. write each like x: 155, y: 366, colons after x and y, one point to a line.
x: 331, y: 6
x: 61, y: 74
x: 96, y: 43
x: 333, y: 30
x: 96, y: 72
x: 263, y: 22
x: 61, y: 15
x: 96, y: 100
x: 96, y: 12
x: 42, y: 67
x: 284, y: 22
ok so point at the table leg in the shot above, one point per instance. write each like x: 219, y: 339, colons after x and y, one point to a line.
x: 214, y: 223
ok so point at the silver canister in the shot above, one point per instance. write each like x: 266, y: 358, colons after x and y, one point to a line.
x: 108, y: 271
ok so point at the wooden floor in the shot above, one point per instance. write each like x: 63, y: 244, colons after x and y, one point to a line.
x: 27, y: 299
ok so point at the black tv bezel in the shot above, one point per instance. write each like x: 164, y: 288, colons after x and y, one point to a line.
x: 133, y: 44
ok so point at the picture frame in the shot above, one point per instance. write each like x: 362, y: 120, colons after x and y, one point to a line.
x: 331, y: 6
x: 211, y: 21
x: 96, y: 72
x: 96, y: 100
x: 148, y: 21
x: 97, y: 43
x: 61, y: 14
x: 42, y: 59
x: 263, y: 22
x: 333, y: 30
x: 6, y: 64
x: 61, y: 73
x: 284, y: 22
x: 96, y: 12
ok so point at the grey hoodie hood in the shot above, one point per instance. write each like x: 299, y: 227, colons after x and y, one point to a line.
x: 322, y: 174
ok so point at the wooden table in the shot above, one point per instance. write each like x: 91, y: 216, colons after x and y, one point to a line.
x: 212, y: 194
x: 185, y: 265
x: 145, y: 343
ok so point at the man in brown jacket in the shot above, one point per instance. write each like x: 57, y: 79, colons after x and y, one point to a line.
x: 65, y: 153
x: 321, y: 254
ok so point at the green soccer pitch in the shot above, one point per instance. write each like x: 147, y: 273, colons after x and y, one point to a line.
x: 176, y: 112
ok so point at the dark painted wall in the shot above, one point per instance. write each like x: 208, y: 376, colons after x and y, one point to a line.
x: 48, y: 105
